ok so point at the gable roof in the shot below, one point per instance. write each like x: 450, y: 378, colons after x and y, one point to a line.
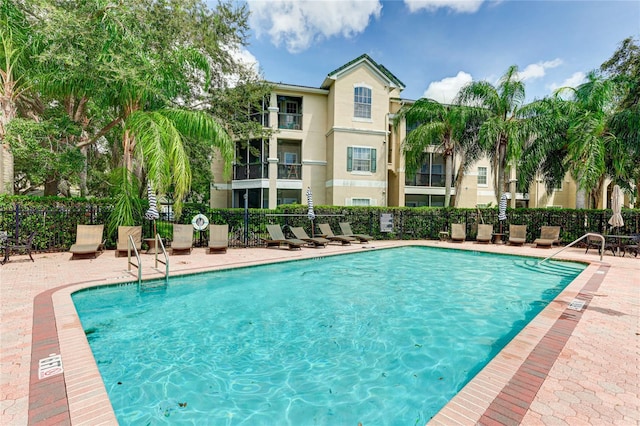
x: 382, y: 71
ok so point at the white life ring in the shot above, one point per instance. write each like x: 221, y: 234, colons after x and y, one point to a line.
x: 200, y: 222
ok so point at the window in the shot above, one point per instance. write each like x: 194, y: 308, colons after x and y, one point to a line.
x: 290, y: 158
x: 360, y: 201
x: 362, y: 102
x: 482, y: 175
x: 360, y: 159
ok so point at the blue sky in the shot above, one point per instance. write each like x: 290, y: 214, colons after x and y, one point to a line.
x: 436, y: 46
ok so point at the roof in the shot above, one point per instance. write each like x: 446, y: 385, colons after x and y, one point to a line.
x: 384, y: 72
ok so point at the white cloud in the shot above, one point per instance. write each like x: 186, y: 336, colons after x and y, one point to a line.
x: 460, y: 6
x: 538, y: 70
x: 575, y: 80
x: 298, y: 24
x: 245, y: 57
x: 445, y: 90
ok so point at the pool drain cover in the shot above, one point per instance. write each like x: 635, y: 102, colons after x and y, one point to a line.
x: 50, y: 366
x: 576, y: 305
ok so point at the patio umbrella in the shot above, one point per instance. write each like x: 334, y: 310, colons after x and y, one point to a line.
x: 502, y: 210
x: 616, y: 205
x: 152, y: 213
x: 310, y: 213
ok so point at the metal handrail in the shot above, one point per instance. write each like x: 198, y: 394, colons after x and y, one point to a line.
x: 166, y: 257
x: 131, y: 243
x: 589, y: 234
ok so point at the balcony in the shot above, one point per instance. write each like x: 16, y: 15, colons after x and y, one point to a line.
x: 422, y: 179
x: 290, y: 171
x: 250, y: 171
x: 290, y: 121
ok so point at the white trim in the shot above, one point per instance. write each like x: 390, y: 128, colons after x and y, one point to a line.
x: 272, y: 160
x: 361, y: 173
x: 273, y: 109
x: 250, y: 184
x: 221, y: 186
x: 429, y: 190
x: 288, y: 184
x: 355, y: 183
x: 296, y: 89
x: 314, y: 163
x: 362, y: 119
x: 357, y: 131
x: 490, y: 193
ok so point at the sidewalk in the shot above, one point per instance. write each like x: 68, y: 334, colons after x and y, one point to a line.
x: 566, y: 367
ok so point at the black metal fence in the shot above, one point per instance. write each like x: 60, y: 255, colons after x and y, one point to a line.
x: 56, y: 226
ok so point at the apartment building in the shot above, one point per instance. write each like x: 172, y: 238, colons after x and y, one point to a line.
x: 339, y: 140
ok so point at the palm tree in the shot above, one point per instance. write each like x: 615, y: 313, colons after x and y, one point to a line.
x: 545, y: 155
x: 501, y: 135
x: 589, y: 134
x: 573, y: 136
x: 17, y: 46
x: 443, y: 126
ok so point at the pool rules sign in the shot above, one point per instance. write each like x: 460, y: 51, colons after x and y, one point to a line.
x: 50, y: 366
x: 386, y: 222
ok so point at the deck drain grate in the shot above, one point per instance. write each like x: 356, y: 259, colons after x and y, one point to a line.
x: 50, y: 366
x: 576, y: 305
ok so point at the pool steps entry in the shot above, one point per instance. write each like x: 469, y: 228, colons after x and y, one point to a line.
x: 165, y: 262
x: 589, y: 234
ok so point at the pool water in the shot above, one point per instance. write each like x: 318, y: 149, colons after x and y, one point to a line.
x: 384, y: 337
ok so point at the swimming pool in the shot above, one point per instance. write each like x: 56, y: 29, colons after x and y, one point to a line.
x: 378, y: 337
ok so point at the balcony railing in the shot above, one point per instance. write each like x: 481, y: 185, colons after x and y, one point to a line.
x: 250, y: 171
x: 290, y: 121
x: 422, y: 179
x: 290, y: 171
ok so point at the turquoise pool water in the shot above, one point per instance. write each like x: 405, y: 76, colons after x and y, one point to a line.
x: 382, y: 337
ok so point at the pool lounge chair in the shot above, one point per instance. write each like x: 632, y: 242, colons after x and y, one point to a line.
x: 301, y: 234
x: 325, y: 230
x: 89, y: 242
x: 278, y: 239
x: 218, y: 238
x: 182, y: 239
x: 122, y: 246
x: 549, y: 235
x: 345, y: 227
x: 485, y: 233
x: 517, y: 234
x: 458, y: 232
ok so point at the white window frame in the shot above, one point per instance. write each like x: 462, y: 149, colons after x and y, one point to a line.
x: 362, y: 202
x: 362, y: 102
x: 290, y: 158
x: 361, y: 164
x: 483, y: 175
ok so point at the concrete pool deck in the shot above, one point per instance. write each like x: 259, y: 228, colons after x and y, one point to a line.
x: 567, y: 367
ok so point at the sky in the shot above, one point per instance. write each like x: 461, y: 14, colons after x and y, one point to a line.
x: 436, y: 46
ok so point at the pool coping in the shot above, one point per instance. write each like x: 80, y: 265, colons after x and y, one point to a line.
x: 488, y: 398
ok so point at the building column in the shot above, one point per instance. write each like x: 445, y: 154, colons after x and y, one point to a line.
x: 272, y: 159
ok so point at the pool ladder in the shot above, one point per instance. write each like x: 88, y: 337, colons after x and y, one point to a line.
x: 589, y: 234
x: 138, y: 264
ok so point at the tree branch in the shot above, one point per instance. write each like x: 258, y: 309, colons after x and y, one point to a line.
x: 101, y: 133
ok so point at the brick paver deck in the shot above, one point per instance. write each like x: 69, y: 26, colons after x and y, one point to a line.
x: 567, y: 367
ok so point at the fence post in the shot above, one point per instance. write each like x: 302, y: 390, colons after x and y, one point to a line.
x: 246, y: 218
x: 17, y: 230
